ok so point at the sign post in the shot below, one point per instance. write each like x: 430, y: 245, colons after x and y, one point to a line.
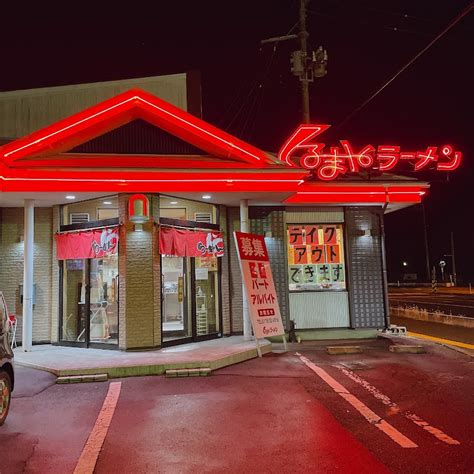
x: 260, y: 288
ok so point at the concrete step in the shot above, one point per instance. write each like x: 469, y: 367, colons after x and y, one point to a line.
x: 198, y: 372
x: 82, y: 378
x: 336, y: 350
x: 407, y: 349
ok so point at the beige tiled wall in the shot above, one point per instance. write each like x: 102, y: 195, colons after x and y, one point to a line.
x: 11, y: 267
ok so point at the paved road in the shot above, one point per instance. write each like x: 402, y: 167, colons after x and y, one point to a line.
x: 283, y: 413
x: 455, y: 304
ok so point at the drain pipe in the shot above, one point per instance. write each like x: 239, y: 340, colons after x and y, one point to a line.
x: 384, y: 264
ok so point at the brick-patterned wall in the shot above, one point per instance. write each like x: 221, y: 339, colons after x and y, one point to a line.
x: 11, y: 267
x: 264, y: 219
x: 235, y: 276
x: 155, y: 210
x: 55, y: 277
x: 225, y: 277
x: 364, y: 257
x: 139, y: 274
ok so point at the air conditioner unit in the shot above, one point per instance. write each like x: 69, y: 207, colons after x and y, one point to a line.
x: 78, y: 217
x: 203, y: 217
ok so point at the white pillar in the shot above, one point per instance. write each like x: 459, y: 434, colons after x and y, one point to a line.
x: 244, y: 227
x: 29, y: 237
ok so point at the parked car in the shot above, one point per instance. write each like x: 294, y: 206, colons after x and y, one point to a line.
x: 7, y: 376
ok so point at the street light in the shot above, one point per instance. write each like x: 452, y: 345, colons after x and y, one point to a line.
x: 405, y: 264
x: 442, y: 264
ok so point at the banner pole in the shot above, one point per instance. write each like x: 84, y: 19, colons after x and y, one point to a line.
x: 259, y: 351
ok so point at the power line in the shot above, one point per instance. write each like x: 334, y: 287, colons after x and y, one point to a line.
x: 367, y: 22
x: 257, y: 83
x: 456, y: 20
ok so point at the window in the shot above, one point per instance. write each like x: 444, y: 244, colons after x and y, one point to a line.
x: 92, y: 210
x: 188, y: 210
x: 316, y: 257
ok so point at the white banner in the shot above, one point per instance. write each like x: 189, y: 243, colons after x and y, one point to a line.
x: 260, y: 288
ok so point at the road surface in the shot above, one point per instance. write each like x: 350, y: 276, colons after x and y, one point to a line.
x: 300, y: 412
x: 447, y: 303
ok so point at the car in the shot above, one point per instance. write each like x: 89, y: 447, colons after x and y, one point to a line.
x: 7, y: 375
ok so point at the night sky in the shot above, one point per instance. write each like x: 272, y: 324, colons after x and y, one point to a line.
x: 249, y: 91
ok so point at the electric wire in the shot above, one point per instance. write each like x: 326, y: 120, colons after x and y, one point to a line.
x: 451, y: 24
x: 371, y: 24
x: 251, y: 115
x: 259, y: 81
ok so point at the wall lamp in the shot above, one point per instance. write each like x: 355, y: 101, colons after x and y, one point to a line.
x: 363, y: 233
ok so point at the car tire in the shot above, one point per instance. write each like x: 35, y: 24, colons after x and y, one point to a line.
x: 5, y: 396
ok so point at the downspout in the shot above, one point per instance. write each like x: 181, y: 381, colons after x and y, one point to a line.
x: 384, y: 262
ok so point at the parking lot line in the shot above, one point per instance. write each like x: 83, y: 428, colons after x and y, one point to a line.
x: 90, y: 453
x: 363, y: 409
x: 436, y: 432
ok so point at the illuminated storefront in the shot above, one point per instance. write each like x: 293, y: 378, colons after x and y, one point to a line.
x: 165, y: 268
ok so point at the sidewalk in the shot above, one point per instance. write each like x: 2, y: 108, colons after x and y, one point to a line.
x: 66, y: 361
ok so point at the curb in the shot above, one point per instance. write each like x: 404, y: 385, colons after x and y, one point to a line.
x: 82, y: 378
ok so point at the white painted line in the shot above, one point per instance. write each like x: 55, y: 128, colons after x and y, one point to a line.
x: 437, y: 433
x: 91, y: 451
x: 363, y: 409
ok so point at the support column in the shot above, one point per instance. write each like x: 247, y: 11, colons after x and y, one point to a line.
x: 244, y: 227
x: 28, y: 252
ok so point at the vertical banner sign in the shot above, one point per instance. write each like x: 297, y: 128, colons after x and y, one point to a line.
x: 258, y: 279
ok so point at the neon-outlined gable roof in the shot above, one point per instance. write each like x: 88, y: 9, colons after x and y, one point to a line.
x: 110, y: 114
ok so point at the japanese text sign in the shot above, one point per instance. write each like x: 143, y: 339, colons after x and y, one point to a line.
x: 260, y: 288
x: 302, y: 150
x: 96, y: 243
x: 315, y: 257
x: 187, y: 243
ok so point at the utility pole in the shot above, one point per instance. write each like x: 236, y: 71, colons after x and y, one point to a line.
x: 427, y: 250
x: 454, y: 259
x: 303, y: 35
x: 305, y: 64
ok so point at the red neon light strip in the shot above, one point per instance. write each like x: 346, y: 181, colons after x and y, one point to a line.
x: 121, y: 109
x: 140, y: 161
x: 358, y: 194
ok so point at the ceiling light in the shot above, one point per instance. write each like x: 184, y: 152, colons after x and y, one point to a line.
x: 107, y: 202
x: 70, y: 197
x: 206, y: 196
x: 173, y: 202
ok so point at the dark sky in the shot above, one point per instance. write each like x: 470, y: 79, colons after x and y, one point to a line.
x: 249, y: 90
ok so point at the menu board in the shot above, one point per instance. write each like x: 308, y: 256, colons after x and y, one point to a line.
x: 316, y: 257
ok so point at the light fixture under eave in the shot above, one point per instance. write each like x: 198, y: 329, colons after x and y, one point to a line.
x: 70, y: 197
x: 207, y: 196
x: 173, y: 202
x: 107, y: 202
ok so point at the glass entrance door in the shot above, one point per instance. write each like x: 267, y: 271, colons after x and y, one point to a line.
x: 103, y: 312
x: 206, y: 296
x: 176, y: 308
x: 90, y: 301
x: 74, y: 302
x: 190, y: 299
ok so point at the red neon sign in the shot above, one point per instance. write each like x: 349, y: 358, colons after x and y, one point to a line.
x: 302, y: 150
